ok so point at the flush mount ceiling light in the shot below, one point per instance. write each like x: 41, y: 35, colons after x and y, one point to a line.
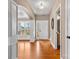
x: 41, y: 5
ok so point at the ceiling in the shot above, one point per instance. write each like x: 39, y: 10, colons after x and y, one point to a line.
x: 41, y: 7
x: 22, y: 12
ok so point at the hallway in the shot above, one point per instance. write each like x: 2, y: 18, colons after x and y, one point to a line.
x: 38, y: 50
x: 40, y: 28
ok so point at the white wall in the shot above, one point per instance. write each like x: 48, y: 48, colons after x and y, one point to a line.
x: 42, y: 28
x: 53, y: 38
x: 42, y: 17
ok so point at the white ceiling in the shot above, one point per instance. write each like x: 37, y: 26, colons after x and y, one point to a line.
x: 41, y: 7
x: 22, y: 12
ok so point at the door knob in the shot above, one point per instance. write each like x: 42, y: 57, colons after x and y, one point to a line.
x: 68, y: 37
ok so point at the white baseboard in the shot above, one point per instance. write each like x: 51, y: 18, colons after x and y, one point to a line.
x: 61, y: 58
x: 53, y: 45
x: 32, y: 40
x: 15, y: 58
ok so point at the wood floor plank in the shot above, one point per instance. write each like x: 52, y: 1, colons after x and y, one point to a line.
x: 37, y: 50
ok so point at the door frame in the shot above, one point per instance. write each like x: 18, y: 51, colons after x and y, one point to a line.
x: 13, y: 37
x: 67, y: 29
x: 59, y: 6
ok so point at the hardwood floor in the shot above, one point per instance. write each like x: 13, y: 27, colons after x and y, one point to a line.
x: 37, y: 50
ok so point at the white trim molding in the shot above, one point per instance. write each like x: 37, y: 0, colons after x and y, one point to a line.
x: 53, y: 45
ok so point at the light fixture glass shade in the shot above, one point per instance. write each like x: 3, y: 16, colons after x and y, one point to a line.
x: 41, y: 5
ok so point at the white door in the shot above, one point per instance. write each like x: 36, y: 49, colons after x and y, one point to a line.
x: 42, y: 29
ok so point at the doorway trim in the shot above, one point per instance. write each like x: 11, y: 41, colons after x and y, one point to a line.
x: 67, y: 29
x: 59, y: 6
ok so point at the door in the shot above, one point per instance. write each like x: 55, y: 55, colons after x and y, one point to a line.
x: 42, y: 29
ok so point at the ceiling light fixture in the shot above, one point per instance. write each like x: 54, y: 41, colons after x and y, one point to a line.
x: 41, y: 5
